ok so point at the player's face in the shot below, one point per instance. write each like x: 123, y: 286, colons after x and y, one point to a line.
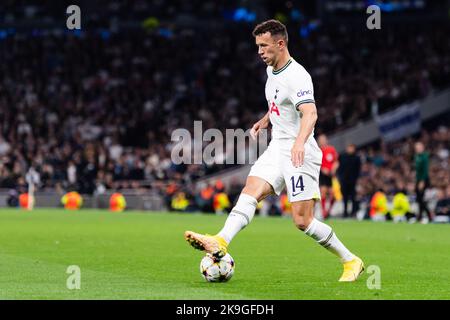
x: 268, y: 48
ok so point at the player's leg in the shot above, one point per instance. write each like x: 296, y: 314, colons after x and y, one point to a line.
x: 419, y: 199
x: 264, y: 178
x: 425, y: 202
x: 303, y: 217
x: 330, y: 197
x: 240, y: 216
x: 303, y: 192
x: 323, y: 196
x: 255, y: 190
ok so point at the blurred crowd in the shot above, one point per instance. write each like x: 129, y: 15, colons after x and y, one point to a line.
x: 92, y: 111
x: 384, y: 177
x: 392, y: 170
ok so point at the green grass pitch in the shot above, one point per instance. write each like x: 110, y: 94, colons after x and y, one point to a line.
x: 137, y: 255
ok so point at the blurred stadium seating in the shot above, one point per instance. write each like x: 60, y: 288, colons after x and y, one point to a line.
x: 93, y: 110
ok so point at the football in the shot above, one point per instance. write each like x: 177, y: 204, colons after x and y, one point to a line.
x: 217, y: 270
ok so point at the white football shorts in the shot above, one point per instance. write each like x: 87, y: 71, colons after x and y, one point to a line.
x: 275, y: 167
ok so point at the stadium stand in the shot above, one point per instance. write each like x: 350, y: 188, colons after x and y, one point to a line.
x: 94, y: 111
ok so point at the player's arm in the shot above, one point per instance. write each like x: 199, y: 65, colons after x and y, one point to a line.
x: 335, y: 166
x: 261, y: 124
x: 307, y: 123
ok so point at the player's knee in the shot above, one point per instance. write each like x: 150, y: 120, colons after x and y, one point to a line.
x: 257, y: 189
x: 251, y: 191
x: 302, y: 222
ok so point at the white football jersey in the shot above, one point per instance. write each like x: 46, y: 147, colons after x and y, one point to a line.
x: 286, y: 89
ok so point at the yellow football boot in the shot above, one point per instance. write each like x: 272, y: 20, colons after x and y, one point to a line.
x: 352, y: 270
x: 215, y: 245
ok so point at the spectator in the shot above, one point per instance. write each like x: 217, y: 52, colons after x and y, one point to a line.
x: 285, y: 205
x: 234, y: 190
x: 378, y: 206
x: 442, y: 210
x: 179, y: 202
x: 348, y: 173
x: 72, y: 200
x: 221, y: 202
x: 96, y: 111
x: 170, y: 191
x: 401, y: 209
x: 13, y: 198
x: 205, y: 199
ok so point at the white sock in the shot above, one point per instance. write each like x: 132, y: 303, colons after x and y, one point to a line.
x: 239, y: 217
x: 325, y: 236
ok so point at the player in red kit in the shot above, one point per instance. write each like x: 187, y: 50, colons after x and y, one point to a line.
x: 330, y: 164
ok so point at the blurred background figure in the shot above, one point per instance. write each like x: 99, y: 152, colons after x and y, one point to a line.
x: 93, y: 110
x: 285, y: 205
x: 179, y: 202
x: 330, y: 164
x: 117, y: 202
x: 170, y: 192
x: 401, y: 208
x: 421, y: 161
x: 221, y: 201
x: 72, y: 200
x: 204, y: 199
x: 378, y: 208
x: 13, y: 198
x: 273, y: 206
x: 442, y: 210
x: 24, y: 199
x: 348, y: 173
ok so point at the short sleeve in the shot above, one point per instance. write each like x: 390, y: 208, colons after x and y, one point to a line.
x: 302, y: 90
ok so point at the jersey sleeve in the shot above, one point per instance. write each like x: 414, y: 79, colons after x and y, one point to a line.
x: 302, y: 90
x: 336, y: 154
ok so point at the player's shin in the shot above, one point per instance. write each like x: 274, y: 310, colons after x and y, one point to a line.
x: 325, y: 236
x: 239, y: 217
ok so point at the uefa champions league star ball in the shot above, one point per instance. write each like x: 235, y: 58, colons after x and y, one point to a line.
x: 217, y: 270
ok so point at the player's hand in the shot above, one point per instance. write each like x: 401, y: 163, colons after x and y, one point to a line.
x: 255, y: 130
x: 298, y: 154
x: 258, y: 126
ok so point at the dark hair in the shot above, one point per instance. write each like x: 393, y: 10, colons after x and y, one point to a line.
x: 275, y: 27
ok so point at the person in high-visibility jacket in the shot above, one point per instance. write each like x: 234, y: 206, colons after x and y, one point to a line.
x: 378, y: 206
x: 285, y: 205
x: 117, y: 202
x: 179, y: 202
x: 400, y: 207
x: 221, y: 202
x: 24, y: 200
x: 72, y: 200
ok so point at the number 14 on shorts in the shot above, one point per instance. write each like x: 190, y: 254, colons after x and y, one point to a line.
x: 297, y: 185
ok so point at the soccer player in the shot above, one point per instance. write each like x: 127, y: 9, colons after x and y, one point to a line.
x: 292, y: 158
x: 330, y: 164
